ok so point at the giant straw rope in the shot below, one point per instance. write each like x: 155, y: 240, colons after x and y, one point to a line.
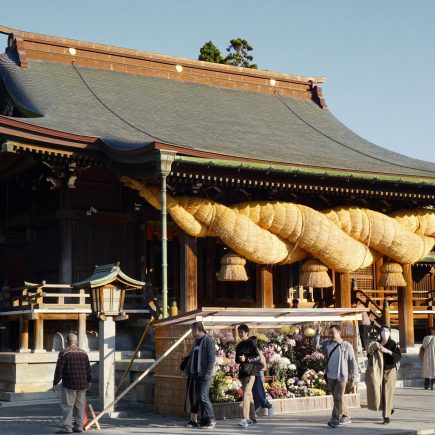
x: 270, y: 232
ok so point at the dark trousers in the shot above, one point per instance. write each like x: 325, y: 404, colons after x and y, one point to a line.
x: 260, y: 400
x: 429, y: 383
x: 202, y: 386
x: 192, y: 396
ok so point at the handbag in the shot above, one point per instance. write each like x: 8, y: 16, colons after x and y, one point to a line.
x: 423, y: 350
x: 184, y: 363
x: 245, y: 369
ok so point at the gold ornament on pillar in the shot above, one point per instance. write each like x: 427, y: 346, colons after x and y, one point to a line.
x: 314, y: 274
x: 391, y: 275
x: 232, y: 268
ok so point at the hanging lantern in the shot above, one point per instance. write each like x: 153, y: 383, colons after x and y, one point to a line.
x: 314, y: 274
x: 232, y: 268
x: 391, y: 275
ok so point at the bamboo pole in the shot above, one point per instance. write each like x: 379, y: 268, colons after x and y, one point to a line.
x: 161, y: 358
x: 134, y: 355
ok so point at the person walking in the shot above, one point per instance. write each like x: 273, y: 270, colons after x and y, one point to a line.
x: 247, y: 355
x: 260, y: 400
x: 200, y: 369
x: 341, y: 368
x: 381, y: 374
x: 429, y: 359
x: 74, y: 370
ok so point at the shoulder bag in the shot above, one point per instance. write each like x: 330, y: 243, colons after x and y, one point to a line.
x: 328, y: 357
x: 245, y: 369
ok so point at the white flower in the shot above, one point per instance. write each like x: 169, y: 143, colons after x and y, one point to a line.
x: 275, y: 358
x: 284, y: 363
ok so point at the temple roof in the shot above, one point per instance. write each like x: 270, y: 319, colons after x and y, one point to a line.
x: 129, y: 113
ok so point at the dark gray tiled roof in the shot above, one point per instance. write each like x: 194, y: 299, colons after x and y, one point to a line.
x: 129, y: 111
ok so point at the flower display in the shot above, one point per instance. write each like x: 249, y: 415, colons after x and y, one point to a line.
x: 293, y: 368
x: 309, y: 332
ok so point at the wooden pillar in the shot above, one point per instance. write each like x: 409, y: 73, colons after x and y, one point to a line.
x: 264, y: 286
x: 430, y: 317
x: 386, y: 316
x: 65, y: 254
x: 24, y: 335
x: 406, y: 320
x: 189, y: 275
x: 343, y: 291
x: 210, y: 270
x: 39, y: 335
x: 378, y: 265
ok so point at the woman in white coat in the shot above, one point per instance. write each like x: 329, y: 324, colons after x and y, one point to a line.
x: 429, y: 359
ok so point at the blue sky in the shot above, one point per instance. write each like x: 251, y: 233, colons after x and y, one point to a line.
x: 377, y: 55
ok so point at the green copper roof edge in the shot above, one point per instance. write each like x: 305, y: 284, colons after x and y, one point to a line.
x: 237, y: 164
x: 107, y: 278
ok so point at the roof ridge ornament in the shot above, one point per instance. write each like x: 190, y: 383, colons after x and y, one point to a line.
x: 16, y: 45
x: 317, y: 95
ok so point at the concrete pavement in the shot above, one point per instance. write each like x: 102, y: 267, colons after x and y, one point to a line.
x: 414, y: 414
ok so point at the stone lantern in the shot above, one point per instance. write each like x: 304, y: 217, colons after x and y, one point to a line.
x: 107, y: 287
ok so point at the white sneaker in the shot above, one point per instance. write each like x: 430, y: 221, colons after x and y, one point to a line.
x: 270, y: 412
x: 344, y: 420
x: 243, y: 422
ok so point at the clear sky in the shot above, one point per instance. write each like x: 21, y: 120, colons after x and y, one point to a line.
x: 378, y: 56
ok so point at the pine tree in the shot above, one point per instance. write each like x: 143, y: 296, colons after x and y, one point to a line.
x: 210, y: 53
x: 239, y: 54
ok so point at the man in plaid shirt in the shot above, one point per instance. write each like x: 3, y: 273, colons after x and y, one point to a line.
x: 74, y: 370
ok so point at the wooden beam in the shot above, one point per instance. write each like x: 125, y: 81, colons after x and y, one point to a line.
x: 406, y: 320
x: 264, y: 286
x: 189, y: 273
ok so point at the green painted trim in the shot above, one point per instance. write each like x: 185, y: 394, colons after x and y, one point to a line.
x: 358, y: 176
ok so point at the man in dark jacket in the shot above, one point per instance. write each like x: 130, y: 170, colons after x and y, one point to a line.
x: 74, y: 370
x: 200, y: 367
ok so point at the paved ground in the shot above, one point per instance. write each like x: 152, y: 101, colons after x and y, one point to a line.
x: 415, y: 414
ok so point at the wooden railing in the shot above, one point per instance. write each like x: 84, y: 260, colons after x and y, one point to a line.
x: 382, y: 302
x: 43, y: 295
